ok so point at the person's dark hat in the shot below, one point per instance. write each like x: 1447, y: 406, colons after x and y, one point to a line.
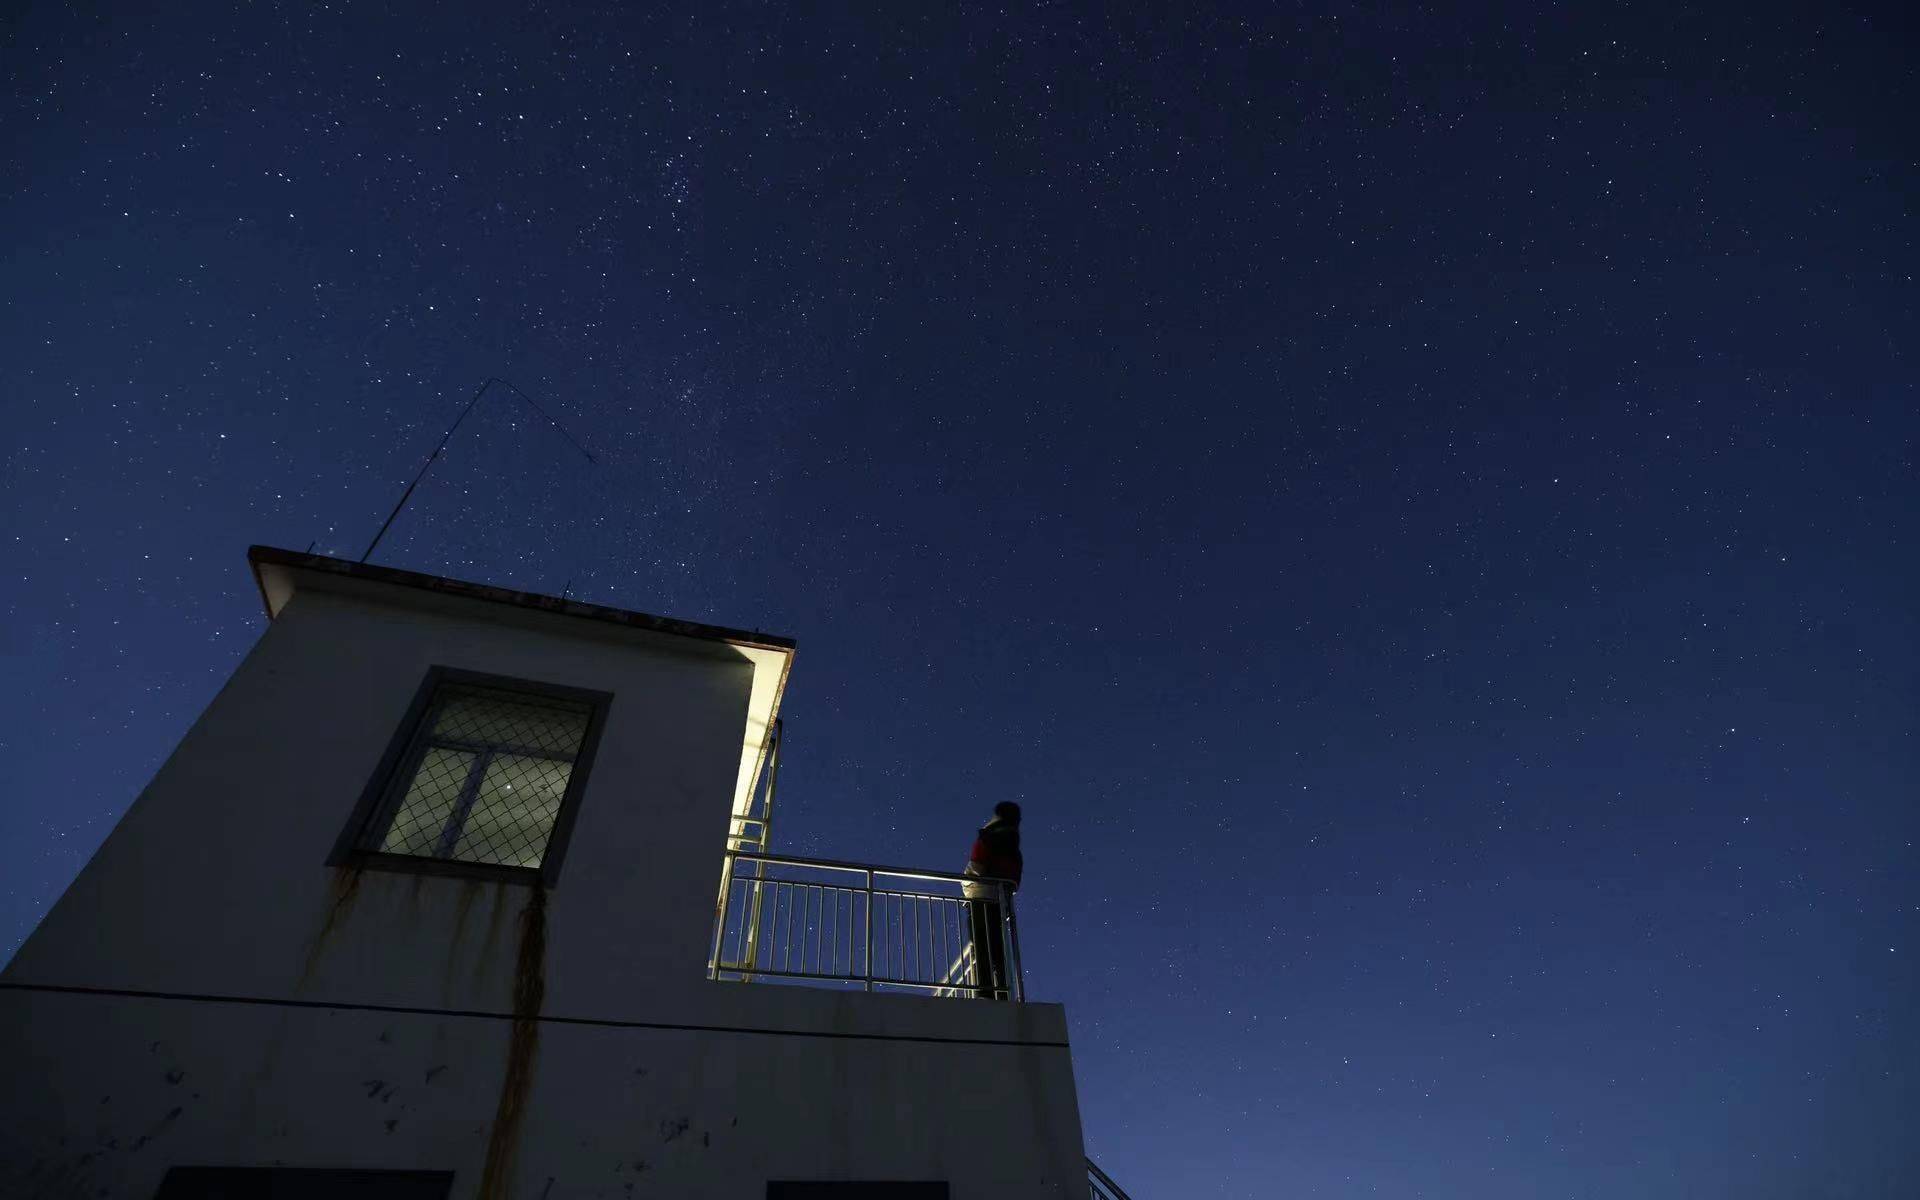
x: 1007, y: 810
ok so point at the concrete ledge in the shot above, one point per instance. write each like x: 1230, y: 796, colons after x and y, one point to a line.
x: 845, y: 1016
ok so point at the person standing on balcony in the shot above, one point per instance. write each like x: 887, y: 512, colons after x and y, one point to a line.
x: 996, y: 855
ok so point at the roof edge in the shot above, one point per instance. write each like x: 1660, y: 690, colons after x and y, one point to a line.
x: 273, y: 556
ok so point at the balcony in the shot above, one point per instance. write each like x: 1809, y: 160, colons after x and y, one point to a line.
x: 858, y: 927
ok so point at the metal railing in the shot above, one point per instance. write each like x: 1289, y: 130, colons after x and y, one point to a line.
x: 866, y: 928
x: 1101, y: 1185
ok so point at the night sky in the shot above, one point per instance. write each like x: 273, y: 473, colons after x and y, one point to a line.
x: 1418, y: 506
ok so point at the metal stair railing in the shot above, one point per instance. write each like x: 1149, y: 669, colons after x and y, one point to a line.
x: 1101, y: 1185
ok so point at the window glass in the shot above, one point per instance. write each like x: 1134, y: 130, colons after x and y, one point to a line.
x: 486, y: 777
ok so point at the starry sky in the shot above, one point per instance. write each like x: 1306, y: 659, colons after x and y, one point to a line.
x: 1417, y: 503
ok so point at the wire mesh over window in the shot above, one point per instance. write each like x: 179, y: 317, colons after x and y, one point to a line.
x: 486, y: 776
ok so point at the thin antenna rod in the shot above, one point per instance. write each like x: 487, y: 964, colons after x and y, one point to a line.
x: 557, y: 425
x: 448, y: 436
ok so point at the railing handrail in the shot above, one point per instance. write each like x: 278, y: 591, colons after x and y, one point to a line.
x: 835, y: 864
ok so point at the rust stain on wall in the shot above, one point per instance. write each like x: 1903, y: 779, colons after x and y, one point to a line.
x: 529, y: 993
x: 341, y: 891
x: 462, y: 910
x: 490, y: 940
x: 463, y: 906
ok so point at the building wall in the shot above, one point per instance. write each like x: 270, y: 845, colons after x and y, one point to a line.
x: 231, y: 1000
x: 611, y: 1112
x: 216, y: 880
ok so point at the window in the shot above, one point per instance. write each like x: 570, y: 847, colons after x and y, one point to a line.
x: 292, y: 1183
x: 484, y: 776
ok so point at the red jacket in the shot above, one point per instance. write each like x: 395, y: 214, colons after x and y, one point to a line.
x: 996, y: 851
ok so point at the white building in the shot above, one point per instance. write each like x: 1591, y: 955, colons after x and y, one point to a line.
x: 424, y: 905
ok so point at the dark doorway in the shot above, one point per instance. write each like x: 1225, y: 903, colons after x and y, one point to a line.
x: 296, y: 1183
x: 797, y: 1190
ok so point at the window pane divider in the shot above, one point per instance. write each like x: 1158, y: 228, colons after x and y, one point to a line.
x: 469, y: 792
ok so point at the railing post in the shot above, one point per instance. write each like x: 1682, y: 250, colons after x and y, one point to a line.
x: 869, y: 959
x: 1017, y: 984
x: 751, y: 958
x: 720, y: 916
x: 773, y: 783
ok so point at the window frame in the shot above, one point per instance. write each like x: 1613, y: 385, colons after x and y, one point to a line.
x: 349, y: 849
